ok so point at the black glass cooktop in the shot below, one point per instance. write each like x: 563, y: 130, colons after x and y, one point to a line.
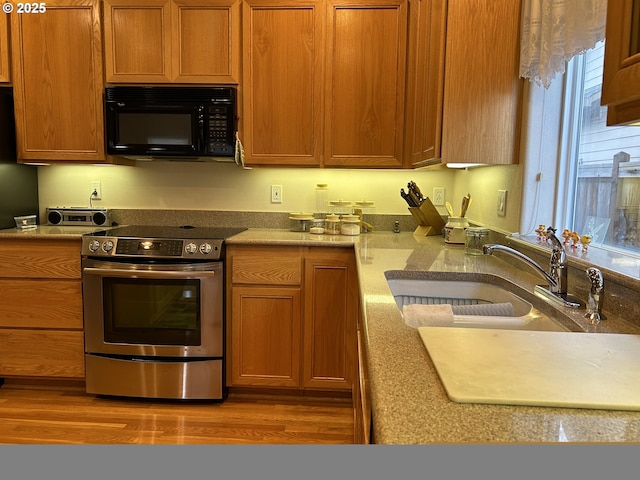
x: 184, y: 232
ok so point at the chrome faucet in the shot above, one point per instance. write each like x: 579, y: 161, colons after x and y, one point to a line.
x: 489, y: 249
x: 558, y: 263
x: 596, y: 295
x: 557, y: 276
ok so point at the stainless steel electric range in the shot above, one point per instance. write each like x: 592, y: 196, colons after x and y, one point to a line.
x: 153, y: 306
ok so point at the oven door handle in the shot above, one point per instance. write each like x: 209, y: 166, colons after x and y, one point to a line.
x: 116, y: 272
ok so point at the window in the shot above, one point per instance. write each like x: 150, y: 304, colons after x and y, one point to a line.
x: 602, y: 184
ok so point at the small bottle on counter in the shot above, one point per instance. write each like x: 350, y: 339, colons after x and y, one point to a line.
x: 350, y: 225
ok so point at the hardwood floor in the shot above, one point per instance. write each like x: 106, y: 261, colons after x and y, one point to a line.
x: 54, y: 414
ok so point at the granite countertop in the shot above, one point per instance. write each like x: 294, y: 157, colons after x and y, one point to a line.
x: 410, y: 405
x: 49, y: 231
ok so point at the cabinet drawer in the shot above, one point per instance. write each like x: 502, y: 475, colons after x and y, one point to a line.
x: 40, y: 259
x: 266, y: 266
x: 41, y: 303
x: 41, y: 353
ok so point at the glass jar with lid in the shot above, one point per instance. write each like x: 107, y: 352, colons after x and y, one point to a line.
x: 332, y: 224
x: 476, y: 238
x: 350, y: 225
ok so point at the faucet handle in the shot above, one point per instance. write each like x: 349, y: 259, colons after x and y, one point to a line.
x: 596, y: 295
x: 595, y: 277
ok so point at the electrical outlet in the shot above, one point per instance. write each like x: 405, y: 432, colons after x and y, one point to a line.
x: 501, y: 206
x: 276, y: 193
x: 96, y: 190
x: 438, y: 196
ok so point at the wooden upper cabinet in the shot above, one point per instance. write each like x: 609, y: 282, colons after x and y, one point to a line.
x: 4, y: 49
x: 425, y: 76
x: 283, y: 82
x: 482, y: 92
x: 324, y: 82
x: 366, y: 61
x: 58, y: 83
x: 206, y: 41
x: 137, y: 40
x: 621, y: 77
x: 172, y: 41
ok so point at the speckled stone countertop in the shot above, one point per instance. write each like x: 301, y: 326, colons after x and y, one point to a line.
x: 49, y: 231
x: 410, y: 405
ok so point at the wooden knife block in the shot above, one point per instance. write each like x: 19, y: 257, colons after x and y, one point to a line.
x: 429, y: 220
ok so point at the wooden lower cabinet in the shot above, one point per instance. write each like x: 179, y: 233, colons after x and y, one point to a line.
x: 41, y: 353
x: 265, y: 332
x: 41, y: 330
x: 362, y: 415
x: 292, y: 315
x: 331, y: 309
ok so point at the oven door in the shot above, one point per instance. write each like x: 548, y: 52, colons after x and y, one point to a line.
x: 159, y: 310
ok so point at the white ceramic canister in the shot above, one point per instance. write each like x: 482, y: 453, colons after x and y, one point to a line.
x: 455, y: 231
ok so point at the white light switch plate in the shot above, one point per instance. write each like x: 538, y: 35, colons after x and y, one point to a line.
x: 501, y: 206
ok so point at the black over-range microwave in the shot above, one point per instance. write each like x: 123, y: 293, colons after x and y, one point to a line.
x: 170, y: 122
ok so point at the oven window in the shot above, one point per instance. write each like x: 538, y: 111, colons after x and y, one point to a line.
x: 154, y: 128
x: 152, y: 311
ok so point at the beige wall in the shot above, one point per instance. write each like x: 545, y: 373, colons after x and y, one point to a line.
x: 203, y: 186
x: 483, y: 184
x: 220, y: 186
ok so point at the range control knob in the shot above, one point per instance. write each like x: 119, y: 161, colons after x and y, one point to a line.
x: 206, y: 248
x: 191, y: 248
x: 107, y: 246
x: 94, y: 245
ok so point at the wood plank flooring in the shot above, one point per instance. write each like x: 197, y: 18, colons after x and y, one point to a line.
x: 67, y: 415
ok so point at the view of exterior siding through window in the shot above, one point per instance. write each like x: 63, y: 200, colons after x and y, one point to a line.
x: 607, y: 199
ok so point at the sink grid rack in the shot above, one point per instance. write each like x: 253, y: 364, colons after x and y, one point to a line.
x: 402, y: 300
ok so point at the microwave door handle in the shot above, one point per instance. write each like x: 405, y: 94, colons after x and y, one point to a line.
x: 115, y: 272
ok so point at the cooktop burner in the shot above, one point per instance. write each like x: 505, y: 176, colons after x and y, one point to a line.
x: 158, y: 242
x: 184, y: 232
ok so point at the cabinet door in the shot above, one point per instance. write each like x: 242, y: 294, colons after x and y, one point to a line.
x: 39, y: 304
x: 366, y: 61
x: 283, y: 82
x: 4, y: 49
x: 483, y: 91
x: 331, y: 309
x: 621, y: 76
x: 425, y: 76
x: 21, y: 258
x: 57, y: 79
x: 205, y: 41
x: 137, y: 41
x: 265, y: 336
x: 41, y: 353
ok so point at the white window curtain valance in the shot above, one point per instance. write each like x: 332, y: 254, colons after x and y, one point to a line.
x: 553, y: 31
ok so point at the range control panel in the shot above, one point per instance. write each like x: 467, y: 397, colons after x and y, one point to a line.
x: 209, y: 249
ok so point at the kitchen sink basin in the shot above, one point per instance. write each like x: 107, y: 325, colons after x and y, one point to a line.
x: 476, y: 304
